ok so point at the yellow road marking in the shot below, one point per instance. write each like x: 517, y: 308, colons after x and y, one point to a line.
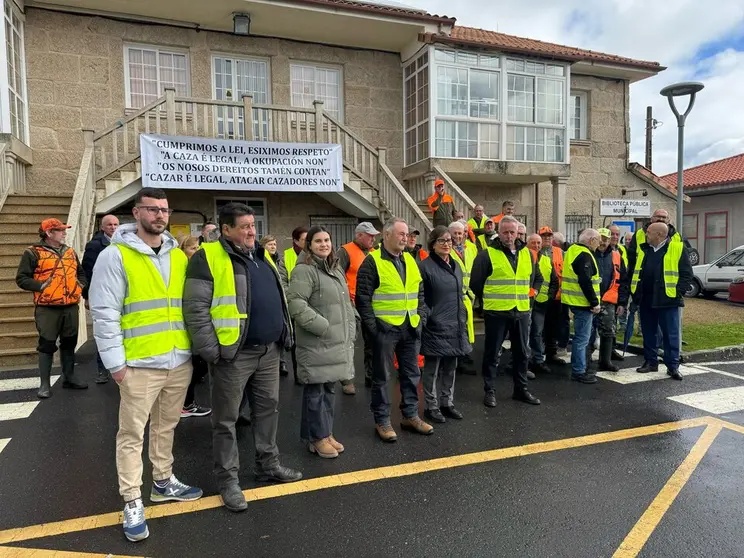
x: 11, y: 552
x: 347, y: 479
x: 650, y: 519
x: 730, y: 425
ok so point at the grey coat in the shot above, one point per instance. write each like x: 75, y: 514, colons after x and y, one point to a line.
x: 446, y: 332
x: 325, y: 322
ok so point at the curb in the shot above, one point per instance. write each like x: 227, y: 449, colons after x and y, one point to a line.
x: 720, y: 353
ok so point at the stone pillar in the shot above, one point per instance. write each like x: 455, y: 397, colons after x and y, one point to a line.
x: 559, y: 203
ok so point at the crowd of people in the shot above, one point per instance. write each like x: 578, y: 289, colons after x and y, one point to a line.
x: 167, y: 312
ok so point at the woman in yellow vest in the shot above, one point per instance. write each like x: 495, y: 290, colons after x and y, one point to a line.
x: 444, y: 339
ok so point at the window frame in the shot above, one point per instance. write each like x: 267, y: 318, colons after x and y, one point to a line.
x: 264, y: 219
x: 583, y: 115
x: 158, y: 49
x: 696, y: 246
x: 706, y: 237
x: 419, y: 127
x: 6, y: 118
x: 324, y: 66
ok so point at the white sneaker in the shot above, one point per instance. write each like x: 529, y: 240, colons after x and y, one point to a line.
x: 135, y: 526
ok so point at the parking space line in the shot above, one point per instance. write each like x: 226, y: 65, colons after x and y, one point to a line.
x: 14, y: 411
x: 3, y: 443
x: 15, y: 552
x: 645, y: 526
x: 715, y: 401
x: 351, y: 478
x: 716, y: 371
x: 14, y: 384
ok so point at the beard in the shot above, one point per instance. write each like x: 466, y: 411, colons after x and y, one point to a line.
x: 156, y: 227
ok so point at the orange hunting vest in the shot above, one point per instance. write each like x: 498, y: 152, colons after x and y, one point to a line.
x: 611, y: 295
x: 558, y: 266
x: 64, y: 288
x: 356, y: 257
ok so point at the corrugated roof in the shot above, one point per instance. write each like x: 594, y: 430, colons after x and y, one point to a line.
x: 717, y: 173
x: 511, y: 43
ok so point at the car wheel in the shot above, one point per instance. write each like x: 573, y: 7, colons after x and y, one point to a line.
x: 694, y: 289
x: 709, y: 294
x: 694, y: 257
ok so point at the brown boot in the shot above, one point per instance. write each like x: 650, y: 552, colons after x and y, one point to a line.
x: 349, y: 389
x: 323, y: 448
x: 415, y: 424
x: 338, y: 446
x: 386, y: 432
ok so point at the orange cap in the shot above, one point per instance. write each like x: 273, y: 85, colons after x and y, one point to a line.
x: 545, y: 230
x: 439, y: 182
x: 51, y: 224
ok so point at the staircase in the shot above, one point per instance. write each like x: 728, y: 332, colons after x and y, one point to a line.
x: 19, y: 228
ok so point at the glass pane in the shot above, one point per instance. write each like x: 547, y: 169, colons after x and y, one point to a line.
x: 714, y: 248
x: 445, y: 56
x: 488, y: 141
x: 515, y: 136
x: 484, y: 95
x: 554, y: 146
x: 489, y: 61
x: 467, y: 59
x: 452, y: 91
x: 521, y: 101
x: 715, y: 224
x: 690, y: 226
x: 467, y: 140
x: 445, y: 138
x: 549, y: 101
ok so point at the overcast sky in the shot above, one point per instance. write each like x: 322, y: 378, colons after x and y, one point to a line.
x: 701, y: 40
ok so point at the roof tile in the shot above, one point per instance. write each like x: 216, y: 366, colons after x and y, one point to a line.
x: 717, y: 173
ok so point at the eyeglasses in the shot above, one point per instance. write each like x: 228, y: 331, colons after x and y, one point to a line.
x: 444, y: 241
x: 154, y: 210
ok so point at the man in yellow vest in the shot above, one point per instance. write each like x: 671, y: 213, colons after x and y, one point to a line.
x: 236, y: 313
x: 543, y: 298
x: 502, y: 277
x: 580, y: 293
x: 478, y: 221
x: 658, y: 216
x: 659, y: 280
x: 390, y: 302
x: 136, y: 297
x: 464, y: 253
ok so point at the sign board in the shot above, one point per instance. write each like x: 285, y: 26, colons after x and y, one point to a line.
x: 625, y: 208
x: 625, y: 227
x: 214, y: 164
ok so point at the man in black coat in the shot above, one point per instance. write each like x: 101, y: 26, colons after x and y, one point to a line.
x: 514, y: 322
x: 93, y: 248
x: 659, y: 281
x: 388, y: 340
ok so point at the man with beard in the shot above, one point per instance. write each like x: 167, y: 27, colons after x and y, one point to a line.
x: 413, y: 248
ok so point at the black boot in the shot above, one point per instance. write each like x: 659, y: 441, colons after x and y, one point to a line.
x: 283, y: 370
x: 45, y: 373
x: 606, y: 345
x: 67, y: 358
x: 589, y: 353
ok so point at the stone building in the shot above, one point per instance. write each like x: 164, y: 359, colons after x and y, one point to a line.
x: 409, y: 96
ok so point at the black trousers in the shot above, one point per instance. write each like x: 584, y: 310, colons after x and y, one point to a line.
x: 553, y: 331
x: 201, y: 369
x: 401, y: 342
x: 57, y: 322
x: 517, y: 325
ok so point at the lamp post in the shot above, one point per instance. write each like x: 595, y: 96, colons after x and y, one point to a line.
x: 681, y: 89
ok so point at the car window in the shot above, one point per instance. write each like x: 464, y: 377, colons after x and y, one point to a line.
x: 733, y: 258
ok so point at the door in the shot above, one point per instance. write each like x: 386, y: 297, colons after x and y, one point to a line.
x: 233, y: 78
x: 722, y: 272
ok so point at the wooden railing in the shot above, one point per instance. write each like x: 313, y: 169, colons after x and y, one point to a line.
x: 118, y: 146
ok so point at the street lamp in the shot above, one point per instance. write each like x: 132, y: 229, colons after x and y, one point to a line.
x: 681, y: 89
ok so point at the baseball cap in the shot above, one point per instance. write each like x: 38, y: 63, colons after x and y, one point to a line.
x: 51, y: 224
x: 604, y: 232
x: 545, y: 230
x: 366, y: 227
x: 414, y: 231
x: 439, y: 182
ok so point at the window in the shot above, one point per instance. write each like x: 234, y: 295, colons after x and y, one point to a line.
x: 716, y: 235
x: 526, y: 143
x: 257, y: 204
x: 417, y: 109
x: 577, y: 111
x: 469, y: 140
x: 341, y: 229
x: 734, y: 258
x: 14, y: 50
x: 233, y: 78
x: 690, y: 232
x: 149, y: 70
x: 317, y: 83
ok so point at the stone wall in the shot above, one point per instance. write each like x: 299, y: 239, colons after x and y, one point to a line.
x: 75, y: 70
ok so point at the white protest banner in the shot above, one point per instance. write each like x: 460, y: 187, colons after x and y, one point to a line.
x: 623, y: 208
x: 214, y: 164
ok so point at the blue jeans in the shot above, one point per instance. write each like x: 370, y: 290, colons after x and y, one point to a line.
x: 667, y: 320
x: 537, y: 338
x: 583, y: 319
x: 401, y: 342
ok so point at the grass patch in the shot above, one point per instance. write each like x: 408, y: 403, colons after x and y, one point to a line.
x: 704, y: 336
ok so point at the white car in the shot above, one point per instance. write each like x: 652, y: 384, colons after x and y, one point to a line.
x: 715, y: 277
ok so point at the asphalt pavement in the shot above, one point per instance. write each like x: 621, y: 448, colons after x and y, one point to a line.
x: 571, y: 477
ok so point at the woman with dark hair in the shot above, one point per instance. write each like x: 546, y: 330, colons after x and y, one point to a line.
x: 325, y: 331
x: 445, y: 334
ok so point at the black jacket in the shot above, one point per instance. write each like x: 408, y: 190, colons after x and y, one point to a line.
x: 660, y: 299
x: 606, y: 271
x: 482, y: 270
x: 94, y: 247
x: 585, y: 269
x: 446, y: 331
x: 368, y: 280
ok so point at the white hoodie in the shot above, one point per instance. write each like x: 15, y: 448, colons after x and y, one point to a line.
x: 106, y: 299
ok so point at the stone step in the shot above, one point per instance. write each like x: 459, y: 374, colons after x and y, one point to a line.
x: 7, y: 281
x: 39, y: 208
x: 26, y: 239
x: 27, y: 226
x: 18, y: 325
x: 18, y: 358
x: 8, y: 260
x: 15, y: 296
x: 38, y: 200
x: 17, y: 309
x: 7, y: 217
x: 15, y: 249
x: 18, y: 340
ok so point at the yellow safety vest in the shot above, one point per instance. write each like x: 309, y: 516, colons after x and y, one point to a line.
x: 641, y: 238
x: 392, y: 301
x: 483, y: 241
x: 505, y: 289
x: 671, y: 269
x: 571, y: 293
x: 546, y: 269
x: 224, y: 310
x: 473, y: 223
x: 152, y: 315
x: 466, y: 266
x: 623, y: 254
x: 290, y: 261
